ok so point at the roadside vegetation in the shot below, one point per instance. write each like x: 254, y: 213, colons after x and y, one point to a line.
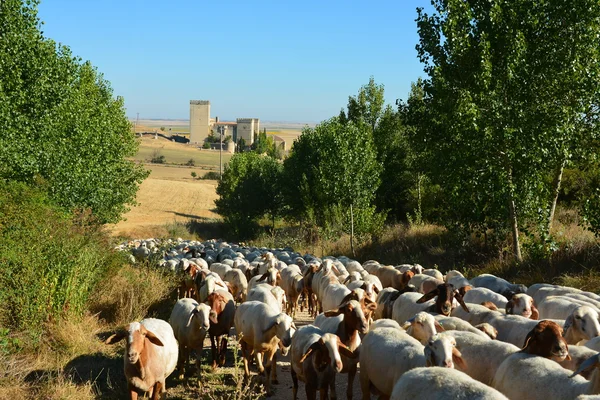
x: 490, y: 165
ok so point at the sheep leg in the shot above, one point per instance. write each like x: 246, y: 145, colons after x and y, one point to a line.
x: 332, y: 387
x: 267, y: 369
x: 245, y: 358
x: 351, y: 375
x: 213, y: 350
x: 323, y: 393
x: 157, y: 390
x: 199, y: 364
x: 365, y: 383
x: 133, y: 394
x: 295, y: 383
x: 274, y: 370
x: 223, y: 351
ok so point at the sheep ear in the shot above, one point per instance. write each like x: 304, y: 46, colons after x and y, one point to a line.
x: 116, y: 337
x: 263, y: 277
x: 371, y: 305
x: 568, y: 324
x: 375, y: 289
x: 213, y: 317
x: 459, y: 297
x: 429, y: 357
x: 274, y: 323
x: 350, y: 296
x: 153, y: 338
x: 428, y: 296
x: 333, y: 313
x: 313, y: 347
x: 528, y: 339
x: 535, y: 314
x: 509, y: 306
x: 438, y: 327
x: 347, y: 279
x: 194, y: 312
x: 458, y: 360
x: 408, y: 323
x: 346, y: 352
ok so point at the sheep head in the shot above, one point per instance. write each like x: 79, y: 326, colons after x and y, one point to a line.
x: 546, y: 340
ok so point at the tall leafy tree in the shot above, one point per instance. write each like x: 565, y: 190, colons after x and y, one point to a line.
x: 510, y: 85
x: 248, y: 190
x: 61, y: 122
x: 333, y: 170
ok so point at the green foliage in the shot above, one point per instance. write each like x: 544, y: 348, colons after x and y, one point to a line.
x: 266, y: 145
x: 241, y: 145
x: 162, y: 128
x: 511, y: 98
x: 330, y: 168
x: 194, y: 174
x: 60, y: 121
x: 190, y: 162
x: 248, y: 190
x: 206, y: 145
x: 212, y: 175
x: 50, y: 261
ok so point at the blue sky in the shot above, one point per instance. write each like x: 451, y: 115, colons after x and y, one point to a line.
x: 274, y: 60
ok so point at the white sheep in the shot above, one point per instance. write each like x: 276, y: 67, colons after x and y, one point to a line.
x: 480, y: 295
x: 498, y: 285
x: 434, y: 273
x: 387, y: 353
x: 457, y: 324
x: 150, y: 355
x: 437, y: 383
x: 481, y: 355
x: 190, y: 323
x: 260, y: 329
x: 292, y: 282
x: 560, y: 307
x: 238, y: 282
x: 528, y: 377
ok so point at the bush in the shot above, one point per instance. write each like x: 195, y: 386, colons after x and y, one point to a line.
x: 249, y: 190
x: 206, y: 145
x: 212, y: 175
x: 194, y: 174
x: 50, y: 261
x: 191, y: 163
x: 157, y: 158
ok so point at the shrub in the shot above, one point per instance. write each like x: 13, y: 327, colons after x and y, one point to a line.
x: 194, y: 174
x: 212, y: 175
x: 157, y: 158
x: 190, y: 162
x: 206, y: 145
x: 50, y: 261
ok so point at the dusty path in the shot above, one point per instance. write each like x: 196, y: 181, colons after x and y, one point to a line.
x: 283, y: 390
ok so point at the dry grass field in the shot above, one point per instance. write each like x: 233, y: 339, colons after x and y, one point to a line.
x: 168, y: 195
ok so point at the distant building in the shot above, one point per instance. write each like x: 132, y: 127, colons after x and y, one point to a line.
x: 201, y: 125
x: 246, y: 128
x: 199, y: 120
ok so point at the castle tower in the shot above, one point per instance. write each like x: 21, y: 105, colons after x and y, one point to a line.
x: 199, y: 120
x: 246, y: 127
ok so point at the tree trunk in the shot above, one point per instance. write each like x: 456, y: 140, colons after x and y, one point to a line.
x: 512, y: 210
x: 556, y: 189
x: 352, y: 231
x: 515, y: 228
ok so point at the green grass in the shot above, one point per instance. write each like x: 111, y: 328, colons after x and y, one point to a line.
x: 183, y: 155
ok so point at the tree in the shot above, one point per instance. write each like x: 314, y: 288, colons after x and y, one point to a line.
x: 367, y: 106
x: 331, y: 175
x: 249, y: 190
x: 61, y: 122
x: 510, y: 86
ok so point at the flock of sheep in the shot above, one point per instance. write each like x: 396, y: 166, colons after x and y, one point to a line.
x: 416, y: 333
